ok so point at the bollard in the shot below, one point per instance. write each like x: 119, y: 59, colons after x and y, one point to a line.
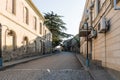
x: 0, y: 62
x: 87, y: 62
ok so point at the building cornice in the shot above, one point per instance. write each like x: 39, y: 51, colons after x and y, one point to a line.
x: 35, y: 9
x: 105, y: 9
x: 83, y: 15
x: 20, y: 24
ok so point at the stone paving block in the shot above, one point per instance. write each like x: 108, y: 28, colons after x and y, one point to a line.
x: 44, y: 75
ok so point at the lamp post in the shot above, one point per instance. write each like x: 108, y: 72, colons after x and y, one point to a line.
x: 0, y: 45
x: 87, y: 56
x: 115, y: 5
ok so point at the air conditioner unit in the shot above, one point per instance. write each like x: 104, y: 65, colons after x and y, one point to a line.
x: 103, y: 25
x: 85, y: 26
x: 93, y: 34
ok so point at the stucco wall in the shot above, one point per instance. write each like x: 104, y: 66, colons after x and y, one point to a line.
x: 28, y: 41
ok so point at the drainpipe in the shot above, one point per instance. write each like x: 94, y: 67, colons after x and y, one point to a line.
x: 0, y: 45
x: 115, y: 5
x: 91, y: 27
x: 87, y: 61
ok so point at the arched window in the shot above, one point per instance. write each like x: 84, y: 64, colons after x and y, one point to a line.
x: 11, y: 40
x: 46, y: 34
x: 10, y: 6
x: 43, y: 48
x: 25, y: 15
x: 35, y: 23
x: 97, y: 7
x: 25, y: 43
x: 40, y: 28
x: 40, y: 46
x: 35, y: 42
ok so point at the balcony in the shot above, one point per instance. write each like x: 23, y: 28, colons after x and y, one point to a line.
x: 83, y: 32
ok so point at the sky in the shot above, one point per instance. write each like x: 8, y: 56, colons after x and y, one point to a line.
x: 70, y: 9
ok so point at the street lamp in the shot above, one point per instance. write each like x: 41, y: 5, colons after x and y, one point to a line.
x: 0, y: 45
x: 87, y: 56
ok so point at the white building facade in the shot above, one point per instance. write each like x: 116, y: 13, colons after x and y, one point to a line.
x: 23, y: 31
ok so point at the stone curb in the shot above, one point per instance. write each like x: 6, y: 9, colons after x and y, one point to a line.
x: 86, y: 68
x: 25, y: 60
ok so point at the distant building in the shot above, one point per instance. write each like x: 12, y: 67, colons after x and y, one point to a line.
x: 66, y: 45
x: 23, y: 31
x: 103, y: 21
x: 72, y: 44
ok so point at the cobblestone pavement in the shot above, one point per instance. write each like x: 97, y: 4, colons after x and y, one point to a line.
x: 61, y: 66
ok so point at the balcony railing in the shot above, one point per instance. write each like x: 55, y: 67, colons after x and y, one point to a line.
x: 83, y: 32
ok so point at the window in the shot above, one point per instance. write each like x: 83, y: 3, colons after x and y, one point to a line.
x: 25, y: 15
x: 35, y: 23
x: 97, y: 7
x: 40, y: 28
x: 45, y: 34
x: 40, y: 46
x: 118, y: 1
x: 35, y: 42
x: 11, y: 4
x: 25, y: 43
x: 43, y: 30
x: 98, y: 27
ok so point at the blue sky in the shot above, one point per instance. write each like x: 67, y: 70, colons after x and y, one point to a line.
x: 70, y: 9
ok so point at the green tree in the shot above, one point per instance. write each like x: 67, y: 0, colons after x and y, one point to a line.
x: 56, y: 25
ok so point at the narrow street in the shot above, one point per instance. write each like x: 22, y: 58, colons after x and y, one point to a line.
x: 60, y: 66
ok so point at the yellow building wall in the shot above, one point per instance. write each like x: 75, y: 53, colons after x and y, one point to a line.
x: 106, y: 46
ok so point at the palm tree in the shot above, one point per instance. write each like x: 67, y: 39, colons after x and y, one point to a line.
x: 56, y: 25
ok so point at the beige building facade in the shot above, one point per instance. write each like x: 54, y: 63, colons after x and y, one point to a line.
x: 103, y: 21
x: 23, y: 31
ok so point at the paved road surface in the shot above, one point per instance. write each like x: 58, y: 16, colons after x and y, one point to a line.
x: 61, y: 66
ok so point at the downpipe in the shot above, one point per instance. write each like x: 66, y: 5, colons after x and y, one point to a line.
x: 1, y: 45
